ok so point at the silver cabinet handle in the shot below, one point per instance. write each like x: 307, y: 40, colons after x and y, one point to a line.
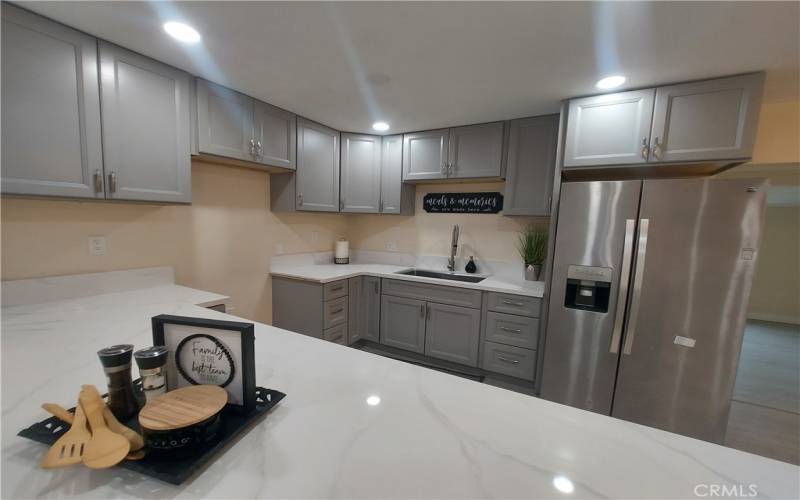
x: 428, y: 311
x: 624, y: 276
x: 512, y: 330
x: 443, y: 170
x: 300, y: 199
x: 337, y: 288
x: 512, y: 361
x: 338, y: 310
x: 645, y: 149
x: 98, y: 181
x: 380, y: 206
x: 112, y: 182
x: 422, y: 310
x: 656, y: 149
x: 341, y: 203
x: 259, y: 150
x: 252, y: 148
x: 451, y: 168
x: 512, y: 303
x: 633, y: 314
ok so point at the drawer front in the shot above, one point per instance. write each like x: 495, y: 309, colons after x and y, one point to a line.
x: 337, y: 334
x: 520, y: 331
x: 452, y: 295
x: 334, y: 312
x: 508, y: 360
x: 515, y: 304
x: 334, y: 290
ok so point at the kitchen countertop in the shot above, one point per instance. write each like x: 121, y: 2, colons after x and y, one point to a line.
x: 324, y: 273
x: 433, y: 435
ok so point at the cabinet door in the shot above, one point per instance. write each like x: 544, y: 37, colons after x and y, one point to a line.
x: 476, y: 151
x: 224, y: 121
x: 355, y: 322
x: 146, y: 144
x: 361, y: 173
x: 425, y: 155
x: 51, y: 108
x: 275, y: 135
x: 391, y: 174
x: 403, y: 323
x: 452, y: 333
x: 530, y: 166
x: 371, y: 293
x: 710, y: 120
x: 317, y: 167
x: 610, y: 129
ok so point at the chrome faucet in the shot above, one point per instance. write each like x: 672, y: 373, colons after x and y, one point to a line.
x: 451, y: 262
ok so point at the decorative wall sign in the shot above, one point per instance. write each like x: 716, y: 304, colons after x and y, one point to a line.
x: 463, y: 203
x: 205, y: 351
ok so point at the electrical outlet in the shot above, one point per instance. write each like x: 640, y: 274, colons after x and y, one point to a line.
x: 279, y: 248
x: 314, y: 237
x: 97, y: 245
x: 391, y: 246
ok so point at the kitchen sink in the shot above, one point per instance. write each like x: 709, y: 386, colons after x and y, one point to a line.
x: 424, y: 273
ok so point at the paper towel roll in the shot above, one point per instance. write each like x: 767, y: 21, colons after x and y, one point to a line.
x: 341, y: 252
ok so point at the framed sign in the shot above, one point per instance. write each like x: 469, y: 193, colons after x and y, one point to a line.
x: 207, y: 351
x: 463, y: 203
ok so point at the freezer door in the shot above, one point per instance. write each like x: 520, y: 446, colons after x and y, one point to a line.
x: 697, y: 245
x: 594, y: 241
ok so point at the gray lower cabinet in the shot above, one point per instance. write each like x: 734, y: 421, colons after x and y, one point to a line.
x: 707, y: 120
x: 146, y: 136
x: 51, y: 140
x: 511, y: 334
x: 509, y: 360
x: 396, y: 196
x: 425, y: 155
x: 365, y: 305
x: 317, y: 177
x: 610, y: 129
x: 403, y: 323
x: 452, y: 333
x: 530, y: 165
x: 313, y: 309
x: 475, y: 151
x: 360, y: 173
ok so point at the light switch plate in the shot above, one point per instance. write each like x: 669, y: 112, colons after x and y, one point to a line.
x: 97, y: 245
x: 391, y: 246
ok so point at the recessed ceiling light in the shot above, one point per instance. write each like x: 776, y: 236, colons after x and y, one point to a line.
x: 611, y: 82
x: 563, y: 484
x: 374, y: 400
x: 182, y: 32
x: 380, y: 126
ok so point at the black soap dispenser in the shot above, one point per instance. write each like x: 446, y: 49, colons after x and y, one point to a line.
x: 471, y: 267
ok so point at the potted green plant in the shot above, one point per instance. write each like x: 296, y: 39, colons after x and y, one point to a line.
x: 532, y: 247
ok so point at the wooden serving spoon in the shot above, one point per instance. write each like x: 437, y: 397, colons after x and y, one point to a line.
x: 133, y: 437
x: 106, y: 448
x: 71, y: 447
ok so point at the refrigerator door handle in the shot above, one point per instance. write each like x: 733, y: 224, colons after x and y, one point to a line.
x: 641, y: 251
x: 624, y: 278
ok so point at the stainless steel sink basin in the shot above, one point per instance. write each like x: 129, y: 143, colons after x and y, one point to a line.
x: 442, y: 276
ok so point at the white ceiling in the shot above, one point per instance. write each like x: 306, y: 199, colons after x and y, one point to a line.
x: 427, y: 65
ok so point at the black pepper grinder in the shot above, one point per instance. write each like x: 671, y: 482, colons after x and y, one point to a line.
x: 471, y: 267
x: 122, y: 399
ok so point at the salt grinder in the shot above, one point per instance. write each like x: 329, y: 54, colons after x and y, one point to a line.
x: 153, y: 370
x: 122, y: 399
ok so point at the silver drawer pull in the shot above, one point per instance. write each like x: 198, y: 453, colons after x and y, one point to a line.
x: 338, y: 310
x: 512, y: 361
x: 512, y: 303
x: 337, y: 288
x: 512, y: 330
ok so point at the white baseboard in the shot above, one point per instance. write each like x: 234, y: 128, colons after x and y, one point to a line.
x: 776, y: 318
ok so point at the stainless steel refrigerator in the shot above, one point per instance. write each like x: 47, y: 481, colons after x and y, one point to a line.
x: 648, y: 299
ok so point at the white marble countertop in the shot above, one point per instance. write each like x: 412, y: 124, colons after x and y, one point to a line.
x: 433, y: 435
x: 324, y: 273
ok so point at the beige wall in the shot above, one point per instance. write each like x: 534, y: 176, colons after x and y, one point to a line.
x: 776, y: 286
x: 778, y: 134
x: 221, y: 243
x: 487, y: 237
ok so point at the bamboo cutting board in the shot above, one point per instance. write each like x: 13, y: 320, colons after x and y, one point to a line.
x: 183, y: 407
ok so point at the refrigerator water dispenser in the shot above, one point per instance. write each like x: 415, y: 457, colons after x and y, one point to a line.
x: 588, y: 288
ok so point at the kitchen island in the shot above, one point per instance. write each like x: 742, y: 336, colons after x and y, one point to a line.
x: 353, y: 424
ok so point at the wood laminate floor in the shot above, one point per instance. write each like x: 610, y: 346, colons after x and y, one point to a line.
x: 765, y: 414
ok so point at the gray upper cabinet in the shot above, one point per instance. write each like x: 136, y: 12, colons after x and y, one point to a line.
x: 403, y: 323
x: 317, y: 178
x: 396, y: 196
x: 145, y: 119
x: 708, y: 120
x: 425, y: 155
x: 51, y: 142
x: 609, y: 129
x: 530, y: 165
x: 361, y: 173
x: 452, y: 333
x: 475, y: 151
x: 225, y: 122
x: 274, y: 135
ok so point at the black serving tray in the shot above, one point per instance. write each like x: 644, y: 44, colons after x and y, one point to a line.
x: 177, y: 469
